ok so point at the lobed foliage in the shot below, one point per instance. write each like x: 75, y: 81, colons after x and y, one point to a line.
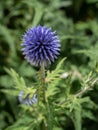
x: 72, y: 89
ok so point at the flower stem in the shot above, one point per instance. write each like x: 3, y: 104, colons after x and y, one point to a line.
x: 79, y: 94
x: 86, y: 88
x: 47, y: 125
x: 43, y: 81
x: 43, y: 97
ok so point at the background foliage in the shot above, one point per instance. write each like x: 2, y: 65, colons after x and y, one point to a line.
x: 76, y: 21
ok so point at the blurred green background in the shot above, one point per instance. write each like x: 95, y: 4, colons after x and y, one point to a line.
x: 76, y: 22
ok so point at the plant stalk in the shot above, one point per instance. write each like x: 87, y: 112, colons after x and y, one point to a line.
x: 43, y: 82
x: 42, y: 89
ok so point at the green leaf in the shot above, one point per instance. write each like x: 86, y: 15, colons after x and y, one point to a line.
x: 55, y: 74
x: 88, y: 114
x: 77, y: 116
x: 11, y: 92
x: 60, y: 64
x: 18, y: 81
x: 22, y: 123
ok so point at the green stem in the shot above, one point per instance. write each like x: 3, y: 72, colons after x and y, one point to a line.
x: 43, y: 81
x: 79, y: 94
x: 86, y: 88
x: 43, y: 97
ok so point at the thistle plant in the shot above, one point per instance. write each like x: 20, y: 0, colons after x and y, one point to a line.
x: 44, y: 103
x: 40, y: 47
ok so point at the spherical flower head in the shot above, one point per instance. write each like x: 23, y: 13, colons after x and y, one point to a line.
x: 40, y: 45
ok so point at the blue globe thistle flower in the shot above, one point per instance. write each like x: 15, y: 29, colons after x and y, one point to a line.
x: 40, y: 45
x: 27, y: 100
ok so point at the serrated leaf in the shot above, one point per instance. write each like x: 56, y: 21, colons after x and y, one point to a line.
x: 88, y: 114
x: 55, y: 74
x: 22, y: 123
x: 19, y: 82
x: 60, y: 63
